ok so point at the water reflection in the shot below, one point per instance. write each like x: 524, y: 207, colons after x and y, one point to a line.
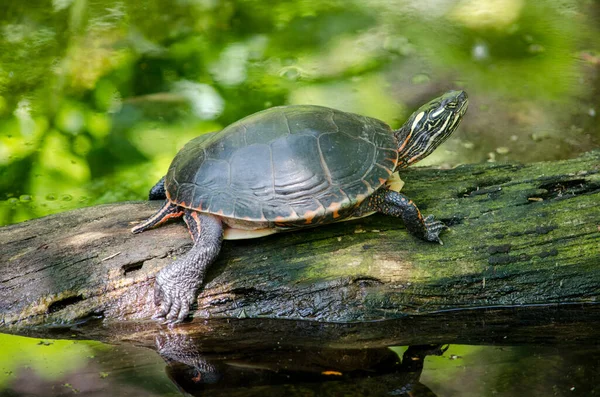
x: 281, y: 369
x: 277, y: 370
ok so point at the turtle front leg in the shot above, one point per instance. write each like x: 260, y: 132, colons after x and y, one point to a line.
x: 396, y: 204
x: 177, y: 285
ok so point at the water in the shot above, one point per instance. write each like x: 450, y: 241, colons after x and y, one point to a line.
x: 97, y: 97
x: 59, y: 368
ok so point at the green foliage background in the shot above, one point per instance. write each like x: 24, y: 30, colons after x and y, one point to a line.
x: 97, y: 97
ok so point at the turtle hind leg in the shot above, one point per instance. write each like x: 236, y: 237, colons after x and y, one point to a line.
x: 177, y: 285
x: 166, y: 212
x: 158, y: 191
x: 396, y: 204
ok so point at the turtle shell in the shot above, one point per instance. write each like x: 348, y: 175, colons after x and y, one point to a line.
x: 284, y: 167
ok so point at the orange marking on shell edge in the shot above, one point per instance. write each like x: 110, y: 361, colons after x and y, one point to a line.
x: 334, y: 207
x: 280, y: 219
x: 219, y: 212
x: 310, y: 216
x: 382, y: 181
x: 336, y: 373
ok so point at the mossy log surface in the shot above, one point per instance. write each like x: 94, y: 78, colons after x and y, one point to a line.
x: 519, y: 235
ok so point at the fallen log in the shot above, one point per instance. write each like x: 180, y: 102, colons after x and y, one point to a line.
x: 519, y: 235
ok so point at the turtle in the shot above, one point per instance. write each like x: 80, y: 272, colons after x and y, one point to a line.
x: 287, y: 168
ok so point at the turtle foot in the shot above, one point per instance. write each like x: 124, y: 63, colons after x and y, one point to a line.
x: 433, y: 229
x: 175, y: 291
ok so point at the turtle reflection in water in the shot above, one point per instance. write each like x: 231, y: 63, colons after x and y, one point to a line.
x: 292, y: 369
x: 287, y: 168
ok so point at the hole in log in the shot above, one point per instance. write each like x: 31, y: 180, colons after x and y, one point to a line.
x: 486, y: 186
x: 63, y: 303
x: 478, y: 191
x: 132, y: 267
x: 246, y: 291
x: 367, y: 281
x: 563, y: 189
x: 93, y: 316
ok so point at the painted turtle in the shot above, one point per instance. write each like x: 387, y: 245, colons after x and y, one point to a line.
x: 286, y: 168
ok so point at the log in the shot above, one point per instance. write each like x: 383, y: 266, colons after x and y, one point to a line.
x: 520, y: 235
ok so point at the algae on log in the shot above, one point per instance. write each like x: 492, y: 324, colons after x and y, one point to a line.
x: 519, y: 235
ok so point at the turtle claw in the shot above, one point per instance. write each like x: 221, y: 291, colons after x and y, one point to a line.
x: 178, y: 313
x: 174, y: 294
x: 433, y: 229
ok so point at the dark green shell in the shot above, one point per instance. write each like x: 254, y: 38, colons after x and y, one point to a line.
x: 285, y: 166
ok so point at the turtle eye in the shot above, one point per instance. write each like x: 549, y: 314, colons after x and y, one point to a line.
x: 450, y: 105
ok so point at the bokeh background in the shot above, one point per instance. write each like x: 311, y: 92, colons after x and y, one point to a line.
x: 96, y: 97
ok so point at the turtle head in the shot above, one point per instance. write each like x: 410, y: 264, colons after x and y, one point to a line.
x: 429, y: 126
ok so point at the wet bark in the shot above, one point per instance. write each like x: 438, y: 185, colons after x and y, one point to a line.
x: 519, y: 235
